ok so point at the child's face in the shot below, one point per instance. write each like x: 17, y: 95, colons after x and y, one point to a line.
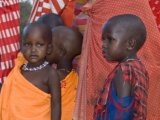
x: 113, y: 43
x: 34, y: 47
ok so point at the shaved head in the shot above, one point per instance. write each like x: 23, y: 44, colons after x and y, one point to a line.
x: 37, y: 27
x: 51, y: 19
x: 69, y: 39
x: 131, y: 25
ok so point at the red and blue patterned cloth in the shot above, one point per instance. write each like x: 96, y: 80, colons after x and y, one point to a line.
x: 111, y: 107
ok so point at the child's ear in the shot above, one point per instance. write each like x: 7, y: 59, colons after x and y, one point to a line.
x: 63, y: 51
x: 131, y: 44
x: 49, y: 49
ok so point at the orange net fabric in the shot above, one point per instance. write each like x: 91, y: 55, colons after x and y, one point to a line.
x: 94, y: 68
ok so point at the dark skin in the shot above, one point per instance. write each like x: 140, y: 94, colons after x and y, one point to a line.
x: 35, y: 46
x: 122, y: 36
x: 51, y: 19
x: 64, y: 51
x: 118, y: 48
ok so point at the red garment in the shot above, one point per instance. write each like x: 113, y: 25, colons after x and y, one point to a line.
x: 134, y: 72
x: 64, y: 8
x: 94, y: 69
x: 80, y: 19
x: 155, y: 6
x: 9, y: 35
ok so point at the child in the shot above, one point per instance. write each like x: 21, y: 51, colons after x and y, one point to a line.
x: 32, y: 91
x: 66, y: 44
x: 51, y: 19
x: 126, y: 99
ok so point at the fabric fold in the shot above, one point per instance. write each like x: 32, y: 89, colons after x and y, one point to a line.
x: 21, y: 100
x: 94, y: 69
x: 68, y: 93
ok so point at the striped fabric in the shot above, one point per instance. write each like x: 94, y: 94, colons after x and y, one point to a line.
x: 41, y: 7
x: 9, y: 35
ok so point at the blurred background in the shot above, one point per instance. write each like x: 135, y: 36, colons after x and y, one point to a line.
x: 25, y: 9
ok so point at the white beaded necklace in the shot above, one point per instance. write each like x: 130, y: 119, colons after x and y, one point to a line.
x: 26, y: 68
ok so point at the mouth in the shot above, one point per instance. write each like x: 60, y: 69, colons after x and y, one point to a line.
x: 33, y: 56
x: 103, y: 52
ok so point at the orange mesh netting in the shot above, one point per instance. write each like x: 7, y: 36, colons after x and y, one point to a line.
x: 94, y: 68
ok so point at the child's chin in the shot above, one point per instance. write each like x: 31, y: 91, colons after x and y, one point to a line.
x: 110, y: 60
x: 107, y: 58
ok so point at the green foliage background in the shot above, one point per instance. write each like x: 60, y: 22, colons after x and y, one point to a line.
x: 25, y: 9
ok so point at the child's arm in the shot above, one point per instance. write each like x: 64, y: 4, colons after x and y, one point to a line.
x: 54, y: 86
x: 124, y: 102
x: 123, y: 87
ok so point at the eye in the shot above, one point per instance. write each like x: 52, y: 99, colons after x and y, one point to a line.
x: 110, y: 39
x: 27, y: 44
x: 40, y: 44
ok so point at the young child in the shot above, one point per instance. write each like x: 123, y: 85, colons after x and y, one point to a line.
x: 32, y: 90
x: 66, y: 44
x: 53, y: 20
x: 126, y: 98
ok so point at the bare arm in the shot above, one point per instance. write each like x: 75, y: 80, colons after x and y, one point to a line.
x: 123, y: 88
x: 54, y: 86
x: 125, y: 100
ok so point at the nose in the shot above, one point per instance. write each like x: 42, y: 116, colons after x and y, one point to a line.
x: 33, y: 48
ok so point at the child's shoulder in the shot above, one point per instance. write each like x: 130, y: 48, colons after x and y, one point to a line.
x: 52, y: 71
x: 132, y: 69
x: 53, y: 77
x: 133, y: 65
